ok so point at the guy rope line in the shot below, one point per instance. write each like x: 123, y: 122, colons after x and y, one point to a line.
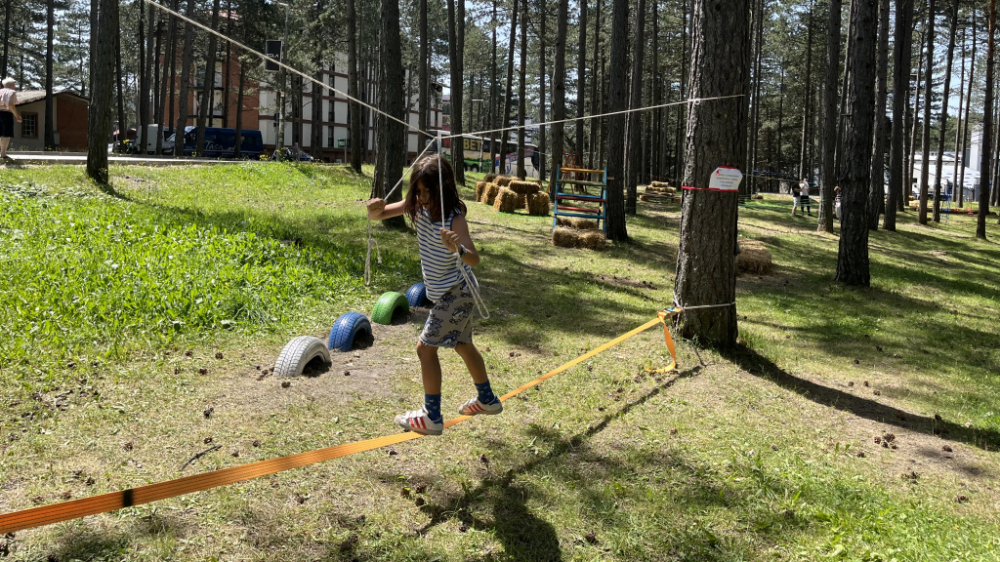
x: 285, y: 66
x: 104, y: 503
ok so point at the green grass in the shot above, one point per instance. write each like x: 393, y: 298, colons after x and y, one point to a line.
x: 131, y: 315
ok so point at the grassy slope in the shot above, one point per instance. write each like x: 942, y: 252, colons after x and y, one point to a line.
x: 751, y: 456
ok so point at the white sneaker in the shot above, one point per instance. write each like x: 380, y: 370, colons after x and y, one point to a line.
x: 418, y: 422
x: 474, y: 407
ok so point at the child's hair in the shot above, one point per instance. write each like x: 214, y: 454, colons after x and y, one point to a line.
x: 426, y: 171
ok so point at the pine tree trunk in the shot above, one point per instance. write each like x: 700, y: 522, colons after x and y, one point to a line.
x: 50, y: 131
x: 876, y: 184
x: 581, y: 79
x: 146, y: 87
x: 208, y: 83
x: 616, y: 229
x: 493, y: 109
x: 99, y: 112
x: 716, y: 136
x: 594, y: 81
x: 182, y: 105
x: 855, y: 170
x: 122, y: 121
x: 505, y: 116
x: 521, y: 105
x: 227, y: 84
x: 6, y: 37
x: 803, y: 150
x: 390, y: 133
x: 542, y: 17
x: 635, y: 119
x: 925, y: 144
x: 237, y: 151
x: 901, y: 93
x: 968, y: 108
x: 984, y: 178
x: 559, y: 86
x: 914, y: 121
x: 357, y: 149
x: 456, y: 45
x: 944, y: 115
x: 829, y: 181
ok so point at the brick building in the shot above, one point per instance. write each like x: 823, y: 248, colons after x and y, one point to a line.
x: 69, y: 111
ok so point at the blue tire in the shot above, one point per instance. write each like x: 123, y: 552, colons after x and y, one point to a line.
x: 416, y: 295
x: 346, y: 329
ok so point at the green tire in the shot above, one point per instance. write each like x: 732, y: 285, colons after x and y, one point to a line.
x: 387, y: 306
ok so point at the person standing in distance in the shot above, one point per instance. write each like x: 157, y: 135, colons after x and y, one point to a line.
x: 8, y: 113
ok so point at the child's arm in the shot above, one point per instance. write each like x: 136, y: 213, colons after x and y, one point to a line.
x: 378, y: 210
x: 459, y: 235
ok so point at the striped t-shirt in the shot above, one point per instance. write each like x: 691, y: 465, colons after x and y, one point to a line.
x: 439, y: 266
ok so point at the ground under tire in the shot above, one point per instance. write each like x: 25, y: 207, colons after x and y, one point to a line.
x: 416, y: 295
x: 388, y: 305
x: 298, y: 353
x: 346, y: 329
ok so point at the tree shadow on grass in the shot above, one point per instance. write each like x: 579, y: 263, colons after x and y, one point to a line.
x: 525, y: 536
x: 760, y: 366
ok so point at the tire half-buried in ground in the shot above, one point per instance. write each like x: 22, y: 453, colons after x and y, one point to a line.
x: 350, y: 328
x: 389, y: 305
x: 416, y: 295
x: 299, y: 353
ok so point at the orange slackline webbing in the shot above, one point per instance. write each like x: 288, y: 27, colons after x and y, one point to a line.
x: 65, y: 511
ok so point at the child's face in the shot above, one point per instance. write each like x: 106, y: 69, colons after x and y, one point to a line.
x: 423, y: 195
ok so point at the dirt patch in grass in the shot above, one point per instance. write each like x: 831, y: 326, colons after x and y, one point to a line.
x: 616, y: 281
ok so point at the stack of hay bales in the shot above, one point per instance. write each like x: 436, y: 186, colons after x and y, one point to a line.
x: 480, y: 188
x: 658, y: 191
x: 489, y: 194
x: 573, y: 232
x: 753, y: 257
x: 576, y: 222
x: 505, y: 201
x: 504, y: 181
x: 530, y: 197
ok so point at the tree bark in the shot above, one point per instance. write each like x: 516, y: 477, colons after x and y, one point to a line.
x: 122, y: 122
x: 423, y: 80
x: 925, y: 144
x: 521, y: 105
x: 876, y: 188
x: 968, y: 108
x: 542, y: 55
x: 581, y: 78
x: 616, y: 229
x: 208, y: 82
x: 595, y: 79
x: 806, y: 114
x: 505, y: 117
x: 984, y: 177
x: 357, y: 149
x: 901, y: 92
x: 390, y: 133
x: 826, y: 214
x: 911, y: 163
x: 939, y: 164
x: 852, y: 259
x: 456, y: 40
x: 50, y: 25
x: 99, y: 112
x: 635, y: 102
x: 182, y: 106
x: 716, y: 136
x: 6, y: 37
x: 493, y: 110
x: 559, y: 88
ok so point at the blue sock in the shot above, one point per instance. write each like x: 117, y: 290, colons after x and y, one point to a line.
x: 486, y: 395
x: 432, y: 403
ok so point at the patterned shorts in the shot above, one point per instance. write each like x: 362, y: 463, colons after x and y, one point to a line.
x: 450, y: 321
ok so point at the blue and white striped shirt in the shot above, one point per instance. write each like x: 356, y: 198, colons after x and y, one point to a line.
x: 439, y: 266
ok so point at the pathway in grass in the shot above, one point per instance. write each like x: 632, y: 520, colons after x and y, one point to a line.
x: 749, y: 456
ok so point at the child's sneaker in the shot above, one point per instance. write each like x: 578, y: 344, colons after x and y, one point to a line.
x: 474, y: 406
x: 418, y: 422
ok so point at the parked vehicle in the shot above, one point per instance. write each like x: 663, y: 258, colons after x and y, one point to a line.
x: 151, y: 132
x: 220, y: 143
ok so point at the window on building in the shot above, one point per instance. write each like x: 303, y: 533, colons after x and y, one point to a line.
x: 330, y: 117
x: 330, y: 141
x: 29, y: 125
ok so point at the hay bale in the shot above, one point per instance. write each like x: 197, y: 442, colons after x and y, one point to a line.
x: 489, y: 178
x: 521, y: 200
x: 565, y: 237
x: 505, y: 202
x: 644, y: 198
x: 490, y: 194
x: 753, y: 257
x: 480, y: 187
x: 537, y: 204
x: 577, y: 223
x: 659, y: 184
x: 592, y: 239
x: 524, y: 187
x: 504, y: 181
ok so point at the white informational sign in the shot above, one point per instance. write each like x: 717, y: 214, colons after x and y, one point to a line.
x: 725, y: 178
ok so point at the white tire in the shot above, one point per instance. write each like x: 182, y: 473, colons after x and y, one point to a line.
x: 298, y: 353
